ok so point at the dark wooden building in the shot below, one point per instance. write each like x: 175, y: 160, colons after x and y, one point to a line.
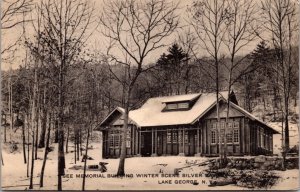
x: 186, y: 125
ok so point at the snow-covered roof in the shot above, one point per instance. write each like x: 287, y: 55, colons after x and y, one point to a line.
x: 152, y: 113
x: 252, y: 117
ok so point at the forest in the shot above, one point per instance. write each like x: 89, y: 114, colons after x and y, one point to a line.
x: 57, y: 86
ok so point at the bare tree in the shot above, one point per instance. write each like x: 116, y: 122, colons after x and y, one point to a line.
x: 12, y: 15
x: 281, y: 21
x: 66, y: 28
x: 135, y: 28
x: 208, y: 19
x: 12, y: 12
x: 242, y: 29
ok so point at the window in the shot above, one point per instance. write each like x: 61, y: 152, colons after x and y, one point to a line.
x: 236, y: 124
x: 236, y: 136
x: 229, y: 125
x: 174, y: 137
x: 262, y: 138
x: 142, y: 141
x: 267, y: 141
x: 222, y: 135
x: 114, y: 139
x: 169, y: 136
x: 128, y: 138
x: 128, y: 143
x: 186, y: 138
x: 213, y: 136
x: 222, y: 125
x: 183, y: 105
x: 117, y: 140
x: 258, y: 137
x: 229, y: 136
x: 214, y: 125
x: 111, y: 141
x: 180, y: 137
x: 172, y: 106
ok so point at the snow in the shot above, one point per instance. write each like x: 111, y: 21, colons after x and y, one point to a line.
x: 151, y: 114
x: 14, y: 173
x: 289, y: 180
x: 294, y: 136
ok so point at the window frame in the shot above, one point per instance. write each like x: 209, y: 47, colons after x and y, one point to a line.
x: 172, y: 104
x: 236, y: 125
x: 169, y: 136
x: 238, y: 136
x: 174, y: 137
x: 213, y: 137
x: 186, y: 105
x: 262, y: 138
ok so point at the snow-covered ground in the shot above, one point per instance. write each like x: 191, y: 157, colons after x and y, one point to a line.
x: 14, y: 173
x: 294, y: 136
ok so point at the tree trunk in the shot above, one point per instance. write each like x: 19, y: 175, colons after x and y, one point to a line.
x: 226, y: 125
x: 78, y: 141
x: 56, y: 132
x: 37, y: 132
x: 86, y: 157
x: 121, y: 168
x: 67, y: 141
x: 286, y: 131
x: 43, y: 122
x: 43, y: 127
x: 45, y: 157
x: 61, y: 155
x: 32, y: 162
x: 5, y: 121
x: 2, y: 162
x: 75, y: 145
x: 28, y: 149
x: 24, y: 141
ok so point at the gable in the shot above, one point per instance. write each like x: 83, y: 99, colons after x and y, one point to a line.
x: 212, y: 114
x: 116, y: 117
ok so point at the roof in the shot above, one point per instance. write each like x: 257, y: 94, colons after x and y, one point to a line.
x: 119, y: 110
x: 251, y: 116
x: 151, y: 114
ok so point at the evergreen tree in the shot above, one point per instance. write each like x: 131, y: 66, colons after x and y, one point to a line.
x: 174, y: 71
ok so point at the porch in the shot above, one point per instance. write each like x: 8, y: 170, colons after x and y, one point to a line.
x: 170, y: 141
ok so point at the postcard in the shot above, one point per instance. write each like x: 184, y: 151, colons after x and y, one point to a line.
x: 149, y: 95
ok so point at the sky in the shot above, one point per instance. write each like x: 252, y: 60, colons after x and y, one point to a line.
x: 97, y: 41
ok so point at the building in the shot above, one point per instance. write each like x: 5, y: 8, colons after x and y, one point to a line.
x: 186, y: 125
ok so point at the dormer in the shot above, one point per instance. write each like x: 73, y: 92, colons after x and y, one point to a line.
x: 180, y: 102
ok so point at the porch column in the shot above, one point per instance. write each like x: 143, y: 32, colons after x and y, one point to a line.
x: 198, y: 144
x: 182, y: 143
x: 156, y: 141
x: 153, y: 144
x: 139, y: 143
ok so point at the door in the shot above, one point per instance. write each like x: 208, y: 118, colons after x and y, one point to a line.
x: 146, y: 141
x: 159, y: 143
x: 192, y: 135
x: 190, y: 142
